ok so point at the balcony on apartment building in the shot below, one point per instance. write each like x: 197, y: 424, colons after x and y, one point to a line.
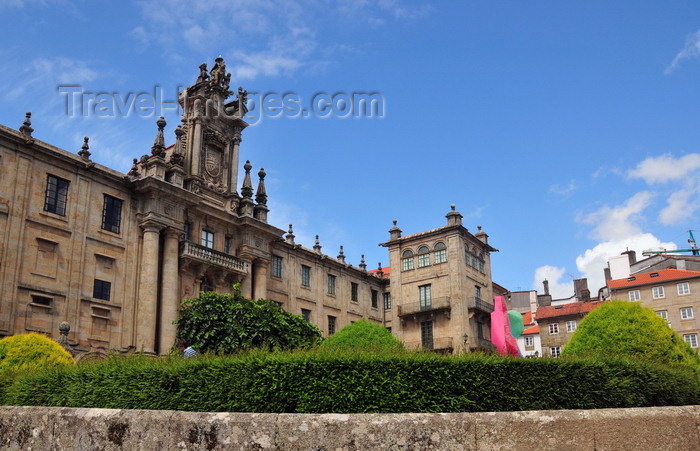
x: 202, y: 254
x: 479, y: 305
x: 434, y: 305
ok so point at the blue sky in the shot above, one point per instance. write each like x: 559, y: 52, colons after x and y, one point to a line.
x: 568, y: 131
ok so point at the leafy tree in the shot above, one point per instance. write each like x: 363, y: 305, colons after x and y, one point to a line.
x: 228, y: 323
x: 28, y: 352
x: 626, y: 329
x: 363, y: 335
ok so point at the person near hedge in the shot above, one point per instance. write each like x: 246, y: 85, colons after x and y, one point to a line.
x: 187, y: 350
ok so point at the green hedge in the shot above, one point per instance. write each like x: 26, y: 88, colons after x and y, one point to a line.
x: 316, y: 382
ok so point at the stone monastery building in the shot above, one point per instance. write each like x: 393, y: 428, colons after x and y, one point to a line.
x: 114, y: 255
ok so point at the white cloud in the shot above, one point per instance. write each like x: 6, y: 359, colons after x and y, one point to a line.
x: 691, y: 50
x: 681, y: 206
x: 563, y: 190
x: 617, y: 223
x: 557, y: 288
x: 665, y: 168
x: 43, y: 74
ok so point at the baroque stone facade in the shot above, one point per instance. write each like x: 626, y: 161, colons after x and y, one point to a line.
x: 114, y: 254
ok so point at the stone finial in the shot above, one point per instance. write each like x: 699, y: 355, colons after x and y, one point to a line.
x: 158, y: 148
x: 380, y: 271
x: 84, y: 152
x: 341, y: 255
x: 26, y: 128
x: 261, y: 194
x: 134, y: 171
x: 178, y: 156
x: 289, y: 237
x: 63, y: 329
x: 394, y: 232
x: 317, y: 245
x: 247, y: 188
x: 363, y: 265
x: 453, y: 217
x: 482, y: 236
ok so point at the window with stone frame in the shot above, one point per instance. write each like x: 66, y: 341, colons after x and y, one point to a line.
x: 207, y: 239
x: 111, y: 214
x: 686, y: 312
x: 354, y: 292
x: 375, y: 299
x: 657, y: 292
x: 634, y: 295
x: 331, y: 284
x: 56, y: 195
x: 425, y: 297
x: 529, y: 341
x: 101, y: 289
x: 571, y: 325
x: 331, y: 325
x: 691, y: 339
x: 306, y: 314
x: 387, y: 301
x: 305, y: 276
x: 407, y: 260
x: 440, y: 253
x: 555, y: 351
x: 553, y: 328
x: 423, y: 256
x: 276, y: 266
x: 683, y: 288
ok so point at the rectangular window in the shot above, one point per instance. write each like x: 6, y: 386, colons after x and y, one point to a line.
x: 477, y: 291
x: 353, y: 291
x: 481, y: 266
x: 475, y: 262
x: 112, y: 214
x: 186, y: 229
x: 634, y: 295
x: 425, y: 297
x: 305, y: 276
x: 426, y: 334
x: 663, y: 314
x: 691, y: 339
x: 423, y: 260
x: 375, y: 299
x: 440, y: 256
x: 331, y: 284
x: 553, y: 328
x: 41, y: 300
x: 686, y: 312
x: 101, y: 290
x: 331, y: 325
x: 555, y: 351
x: 657, y: 292
x: 276, y: 266
x: 571, y: 326
x: 207, y: 239
x: 56, y: 195
x: 306, y: 314
x: 387, y: 301
x: 683, y: 288
x: 529, y: 341
x: 227, y: 244
x: 407, y: 263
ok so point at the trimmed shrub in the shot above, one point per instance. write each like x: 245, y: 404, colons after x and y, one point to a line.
x: 31, y: 352
x: 363, y: 335
x: 228, y: 323
x: 626, y: 329
x: 352, y: 382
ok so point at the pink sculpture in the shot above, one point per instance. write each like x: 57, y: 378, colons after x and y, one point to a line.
x: 500, y: 329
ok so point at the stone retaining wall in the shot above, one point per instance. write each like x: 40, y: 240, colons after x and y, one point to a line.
x: 54, y: 428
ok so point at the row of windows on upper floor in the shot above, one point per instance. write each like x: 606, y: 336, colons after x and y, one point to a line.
x: 659, y: 292
x: 439, y: 256
x: 56, y: 200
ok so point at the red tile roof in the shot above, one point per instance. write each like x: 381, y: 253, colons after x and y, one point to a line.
x: 573, y: 308
x: 527, y: 318
x: 386, y: 270
x: 662, y: 275
x: 532, y: 330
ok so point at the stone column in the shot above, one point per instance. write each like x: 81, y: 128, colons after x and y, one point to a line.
x: 259, y: 279
x: 147, y: 302
x: 247, y: 284
x: 170, y: 290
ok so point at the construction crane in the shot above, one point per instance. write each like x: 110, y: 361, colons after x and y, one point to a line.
x: 693, y: 248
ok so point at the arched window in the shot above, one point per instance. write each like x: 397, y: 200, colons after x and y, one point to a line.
x: 481, y: 262
x: 407, y: 260
x: 423, y: 256
x: 440, y: 253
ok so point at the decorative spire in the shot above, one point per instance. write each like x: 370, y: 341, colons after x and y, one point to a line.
x: 380, y: 271
x: 317, y: 245
x: 341, y: 254
x: 363, y: 266
x: 247, y: 188
x: 26, y: 128
x: 158, y: 149
x: 84, y: 152
x: 394, y: 232
x: 289, y: 237
x: 261, y: 195
x: 178, y: 157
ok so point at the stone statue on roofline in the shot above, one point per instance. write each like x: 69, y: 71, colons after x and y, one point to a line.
x: 203, y: 75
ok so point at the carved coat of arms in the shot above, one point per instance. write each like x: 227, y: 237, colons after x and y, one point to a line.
x: 212, y: 162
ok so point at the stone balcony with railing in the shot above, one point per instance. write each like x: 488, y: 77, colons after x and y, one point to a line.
x: 479, y: 304
x: 414, y: 308
x: 196, y: 252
